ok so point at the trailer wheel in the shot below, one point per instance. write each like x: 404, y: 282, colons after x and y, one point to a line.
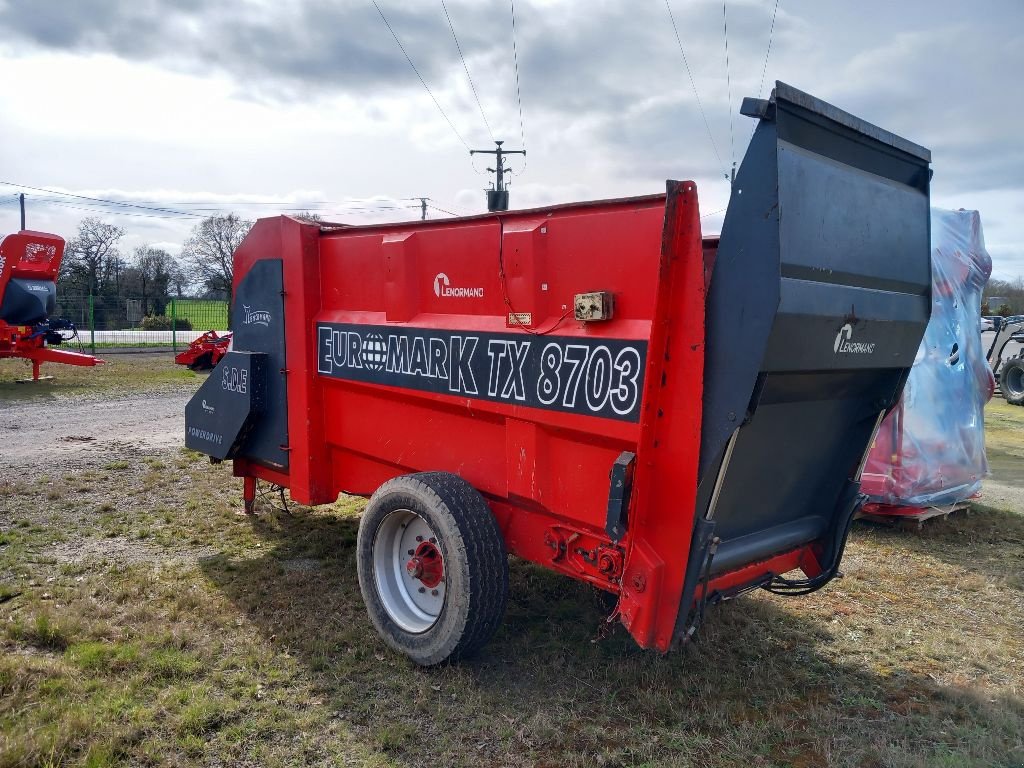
x: 432, y: 567
x: 1011, y: 381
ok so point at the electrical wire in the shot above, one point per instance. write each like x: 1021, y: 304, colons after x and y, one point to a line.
x: 442, y: 210
x: 94, y: 199
x: 728, y: 86
x: 519, y: 97
x: 95, y: 206
x: 465, y: 66
x: 686, y: 64
x: 771, y: 33
x: 720, y: 210
x: 94, y: 210
x: 418, y: 75
x: 764, y: 68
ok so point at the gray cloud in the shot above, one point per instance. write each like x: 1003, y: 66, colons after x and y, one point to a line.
x: 603, y: 82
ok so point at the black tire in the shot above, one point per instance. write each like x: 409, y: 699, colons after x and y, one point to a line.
x: 1011, y: 380
x: 475, y: 565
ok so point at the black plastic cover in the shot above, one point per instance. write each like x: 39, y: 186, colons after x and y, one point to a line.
x: 27, y: 302
x: 817, y: 304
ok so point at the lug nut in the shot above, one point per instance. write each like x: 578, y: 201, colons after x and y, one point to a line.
x: 412, y: 551
x: 422, y: 590
x: 419, y: 538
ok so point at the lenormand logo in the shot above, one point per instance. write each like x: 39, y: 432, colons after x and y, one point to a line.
x: 207, y: 408
x: 844, y: 345
x: 255, y: 316
x: 443, y: 289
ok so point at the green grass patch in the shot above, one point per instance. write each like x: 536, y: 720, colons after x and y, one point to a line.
x: 204, y: 315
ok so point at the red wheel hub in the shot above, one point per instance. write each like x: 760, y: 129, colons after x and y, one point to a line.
x: 426, y: 564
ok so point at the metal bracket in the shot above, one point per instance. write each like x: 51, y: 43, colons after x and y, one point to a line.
x: 620, y: 490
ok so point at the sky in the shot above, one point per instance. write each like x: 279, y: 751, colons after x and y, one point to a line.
x: 192, y: 107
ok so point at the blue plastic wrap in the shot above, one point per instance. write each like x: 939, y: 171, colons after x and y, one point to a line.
x: 930, y: 451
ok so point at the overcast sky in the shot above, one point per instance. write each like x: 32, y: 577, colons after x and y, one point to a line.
x: 263, y: 106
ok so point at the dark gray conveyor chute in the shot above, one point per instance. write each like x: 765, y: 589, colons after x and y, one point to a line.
x: 818, y: 300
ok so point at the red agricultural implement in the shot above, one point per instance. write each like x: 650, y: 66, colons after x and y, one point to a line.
x: 29, y: 264
x: 205, y: 352
x: 928, y: 458
x: 579, y: 387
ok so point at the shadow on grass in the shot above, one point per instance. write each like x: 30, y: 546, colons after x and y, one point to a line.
x: 762, y: 687
x: 984, y: 540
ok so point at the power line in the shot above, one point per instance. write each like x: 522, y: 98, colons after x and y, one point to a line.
x: 94, y: 199
x: 465, y: 66
x: 422, y: 81
x: 771, y: 33
x: 442, y: 210
x: 519, y: 97
x: 764, y: 68
x: 55, y: 196
x: 728, y: 89
x: 94, y: 210
x: 686, y: 64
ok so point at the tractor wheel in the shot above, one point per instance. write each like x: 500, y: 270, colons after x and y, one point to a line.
x: 1011, y: 381
x: 432, y: 567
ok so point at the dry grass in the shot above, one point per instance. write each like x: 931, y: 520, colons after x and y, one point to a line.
x: 143, y: 622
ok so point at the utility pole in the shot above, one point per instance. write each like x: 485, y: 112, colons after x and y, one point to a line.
x: 497, y: 198
x: 423, y: 207
x: 21, y: 199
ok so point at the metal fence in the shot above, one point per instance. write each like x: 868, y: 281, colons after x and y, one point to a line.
x: 121, y: 323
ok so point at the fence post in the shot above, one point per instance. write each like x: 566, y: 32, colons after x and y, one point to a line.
x: 174, y: 327
x: 92, y: 325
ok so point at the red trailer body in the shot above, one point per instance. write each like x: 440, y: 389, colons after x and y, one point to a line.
x: 29, y: 265
x: 555, y: 360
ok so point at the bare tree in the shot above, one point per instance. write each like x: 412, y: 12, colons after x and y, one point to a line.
x: 179, y: 279
x: 155, y: 268
x: 92, y: 258
x: 310, y: 217
x: 209, y: 250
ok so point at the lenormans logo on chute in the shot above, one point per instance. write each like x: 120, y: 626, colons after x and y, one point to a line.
x: 844, y: 345
x: 255, y: 316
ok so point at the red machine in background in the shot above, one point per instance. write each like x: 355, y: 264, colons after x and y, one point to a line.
x: 929, y: 456
x: 29, y: 264
x: 205, y: 352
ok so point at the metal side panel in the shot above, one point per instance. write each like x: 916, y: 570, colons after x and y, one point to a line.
x: 257, y: 320
x: 818, y: 301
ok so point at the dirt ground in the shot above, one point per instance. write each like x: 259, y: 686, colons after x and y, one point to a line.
x: 144, y: 622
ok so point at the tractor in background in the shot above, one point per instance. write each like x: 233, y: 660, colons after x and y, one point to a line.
x: 1009, y: 372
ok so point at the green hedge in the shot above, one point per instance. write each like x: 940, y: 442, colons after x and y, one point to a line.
x: 163, y: 323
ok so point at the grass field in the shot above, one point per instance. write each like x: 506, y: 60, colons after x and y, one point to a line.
x: 204, y: 315
x: 143, y: 622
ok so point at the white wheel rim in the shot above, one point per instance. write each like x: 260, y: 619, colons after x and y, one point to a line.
x: 409, y: 602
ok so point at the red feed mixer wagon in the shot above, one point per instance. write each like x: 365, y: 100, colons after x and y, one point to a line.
x: 579, y: 386
x: 29, y: 265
